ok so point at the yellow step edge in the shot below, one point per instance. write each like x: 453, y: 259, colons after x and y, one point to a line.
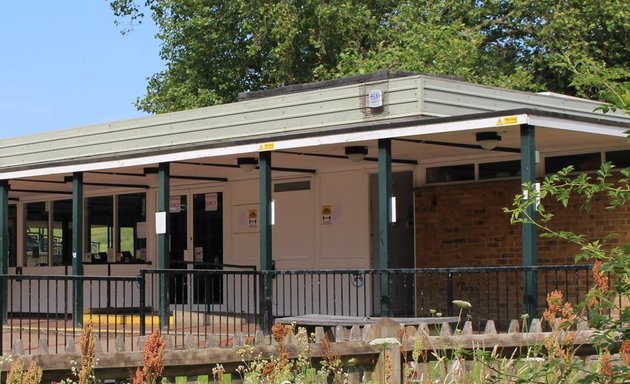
x: 109, y: 319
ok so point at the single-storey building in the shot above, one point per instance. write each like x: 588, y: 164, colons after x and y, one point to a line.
x: 380, y: 171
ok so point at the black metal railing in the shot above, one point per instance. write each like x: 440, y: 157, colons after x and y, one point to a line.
x: 496, y: 293
x: 207, y: 306
x: 38, y: 311
x: 210, y: 306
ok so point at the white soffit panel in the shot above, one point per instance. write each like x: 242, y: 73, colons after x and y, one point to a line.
x: 576, y: 126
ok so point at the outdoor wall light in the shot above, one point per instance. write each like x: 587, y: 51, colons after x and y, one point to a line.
x: 247, y: 164
x: 488, y: 140
x: 356, y: 153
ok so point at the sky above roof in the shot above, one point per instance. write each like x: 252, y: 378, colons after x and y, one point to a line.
x: 64, y: 64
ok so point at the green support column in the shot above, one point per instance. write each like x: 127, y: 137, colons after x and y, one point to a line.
x: 163, y: 256
x: 4, y: 249
x: 384, y: 215
x: 77, y: 247
x: 266, y: 257
x: 530, y: 250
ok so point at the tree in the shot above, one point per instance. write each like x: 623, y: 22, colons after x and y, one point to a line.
x: 215, y: 49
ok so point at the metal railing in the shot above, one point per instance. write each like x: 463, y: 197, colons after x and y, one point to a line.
x: 210, y: 306
x: 38, y: 317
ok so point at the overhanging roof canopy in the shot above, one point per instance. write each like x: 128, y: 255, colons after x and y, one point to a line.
x: 417, y: 106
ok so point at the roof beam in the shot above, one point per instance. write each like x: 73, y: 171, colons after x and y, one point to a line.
x: 279, y: 169
x: 458, y: 145
x: 373, y: 159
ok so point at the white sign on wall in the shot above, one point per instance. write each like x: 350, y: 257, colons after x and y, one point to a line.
x: 160, y: 223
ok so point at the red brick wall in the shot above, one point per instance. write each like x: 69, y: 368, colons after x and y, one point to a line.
x: 463, y: 225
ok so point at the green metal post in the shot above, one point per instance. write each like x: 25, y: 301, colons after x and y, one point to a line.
x: 77, y: 247
x: 163, y: 257
x: 384, y: 215
x: 530, y: 250
x: 4, y: 249
x: 266, y: 257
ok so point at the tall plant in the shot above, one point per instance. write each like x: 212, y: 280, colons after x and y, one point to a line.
x: 605, y: 306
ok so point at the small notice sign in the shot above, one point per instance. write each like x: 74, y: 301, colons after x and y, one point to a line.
x: 252, y: 218
x: 266, y: 147
x: 175, y: 204
x: 212, y: 201
x: 327, y: 214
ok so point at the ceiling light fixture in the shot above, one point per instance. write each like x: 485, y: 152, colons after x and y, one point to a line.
x: 356, y: 153
x: 488, y: 140
x: 247, y: 164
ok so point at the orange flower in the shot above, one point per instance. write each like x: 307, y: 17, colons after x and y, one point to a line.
x: 605, y: 365
x: 601, y: 281
x: 153, y: 357
x: 279, y: 332
x: 625, y: 352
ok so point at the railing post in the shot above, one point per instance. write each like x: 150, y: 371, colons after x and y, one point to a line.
x: 449, y: 293
x: 143, y: 302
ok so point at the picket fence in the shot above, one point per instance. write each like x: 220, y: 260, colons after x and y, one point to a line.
x: 194, y: 362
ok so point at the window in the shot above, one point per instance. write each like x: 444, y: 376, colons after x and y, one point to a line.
x: 451, y: 173
x: 62, y: 232
x: 12, y: 236
x: 100, y: 224
x: 621, y: 159
x: 36, y: 236
x: 132, y: 227
x: 500, y: 169
x: 580, y: 162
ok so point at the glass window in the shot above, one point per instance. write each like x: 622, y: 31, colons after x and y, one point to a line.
x: 580, y: 162
x: 132, y: 227
x: 12, y: 236
x: 36, y: 235
x: 62, y: 232
x: 500, y: 169
x: 621, y: 159
x: 449, y: 173
x: 100, y: 224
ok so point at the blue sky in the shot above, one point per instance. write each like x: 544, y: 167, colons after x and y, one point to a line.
x: 64, y: 64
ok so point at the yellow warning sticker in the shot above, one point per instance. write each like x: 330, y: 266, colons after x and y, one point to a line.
x: 508, y: 120
x: 266, y: 147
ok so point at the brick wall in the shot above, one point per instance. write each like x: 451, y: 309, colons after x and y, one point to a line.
x: 463, y: 225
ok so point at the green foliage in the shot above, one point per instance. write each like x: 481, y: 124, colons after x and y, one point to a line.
x: 215, y: 49
x: 605, y: 304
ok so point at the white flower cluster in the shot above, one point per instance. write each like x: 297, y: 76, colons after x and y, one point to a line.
x: 385, y: 341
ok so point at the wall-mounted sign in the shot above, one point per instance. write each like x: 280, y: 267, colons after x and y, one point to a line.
x: 175, y: 204
x: 327, y: 214
x: 160, y: 223
x: 375, y: 98
x: 252, y: 218
x: 266, y: 147
x: 212, y: 201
